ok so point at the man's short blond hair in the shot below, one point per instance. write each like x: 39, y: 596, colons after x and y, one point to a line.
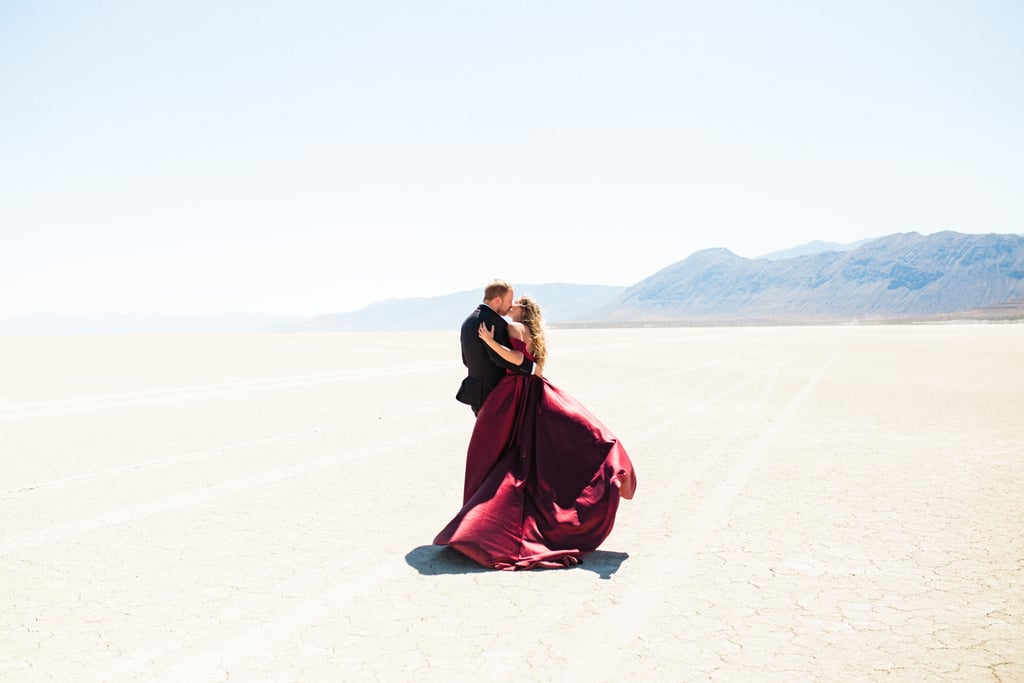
x: 496, y: 288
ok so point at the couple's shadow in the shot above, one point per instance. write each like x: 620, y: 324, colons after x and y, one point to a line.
x: 435, y: 560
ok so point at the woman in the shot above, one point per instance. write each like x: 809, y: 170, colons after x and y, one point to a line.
x: 543, y: 475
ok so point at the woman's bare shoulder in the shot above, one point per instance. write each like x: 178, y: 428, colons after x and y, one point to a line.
x: 518, y: 331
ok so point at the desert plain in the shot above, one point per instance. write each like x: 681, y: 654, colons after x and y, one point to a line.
x: 833, y: 503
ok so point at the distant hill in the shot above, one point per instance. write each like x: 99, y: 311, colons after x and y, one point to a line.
x: 896, y: 276
x: 559, y: 302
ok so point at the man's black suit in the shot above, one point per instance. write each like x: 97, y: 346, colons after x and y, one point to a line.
x: 486, y: 368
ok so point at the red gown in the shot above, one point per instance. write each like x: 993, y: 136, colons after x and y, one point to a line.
x: 543, y: 479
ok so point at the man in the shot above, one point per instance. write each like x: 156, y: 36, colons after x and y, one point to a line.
x: 485, y: 367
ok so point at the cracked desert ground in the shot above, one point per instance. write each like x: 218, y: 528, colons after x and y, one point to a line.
x: 835, y: 503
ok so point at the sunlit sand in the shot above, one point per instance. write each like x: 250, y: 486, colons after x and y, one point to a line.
x: 813, y: 503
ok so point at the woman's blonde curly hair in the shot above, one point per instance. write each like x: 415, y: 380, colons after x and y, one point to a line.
x: 534, y: 322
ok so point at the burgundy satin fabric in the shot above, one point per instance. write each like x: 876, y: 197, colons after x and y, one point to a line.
x: 543, y: 479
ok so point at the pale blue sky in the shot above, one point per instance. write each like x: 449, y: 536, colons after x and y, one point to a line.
x: 313, y: 157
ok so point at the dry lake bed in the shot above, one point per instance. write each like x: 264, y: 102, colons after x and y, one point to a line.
x: 841, y: 503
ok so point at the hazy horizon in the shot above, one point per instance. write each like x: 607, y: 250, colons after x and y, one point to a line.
x: 240, y: 313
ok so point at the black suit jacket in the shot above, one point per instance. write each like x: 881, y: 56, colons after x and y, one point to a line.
x: 485, y: 367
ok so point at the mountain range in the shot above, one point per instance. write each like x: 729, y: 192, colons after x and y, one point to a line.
x: 906, y: 276
x: 899, y: 276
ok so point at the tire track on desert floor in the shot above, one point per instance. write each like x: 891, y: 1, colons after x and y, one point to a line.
x: 598, y: 346
x: 20, y: 411
x: 206, y: 453
x: 203, y: 454
x: 187, y: 498
x: 684, y: 542
x: 193, y: 497
x: 673, y: 415
x: 667, y: 414
x: 199, y: 392
x: 645, y: 427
